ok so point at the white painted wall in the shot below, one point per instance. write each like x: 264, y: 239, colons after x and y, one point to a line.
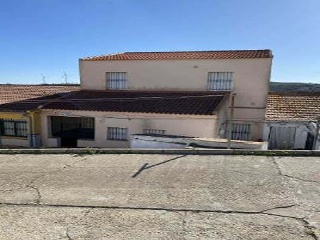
x: 186, y: 125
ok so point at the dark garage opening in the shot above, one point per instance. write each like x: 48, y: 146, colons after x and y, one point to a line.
x: 70, y: 129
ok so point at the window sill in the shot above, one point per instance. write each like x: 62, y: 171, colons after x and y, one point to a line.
x: 14, y: 137
x: 117, y: 140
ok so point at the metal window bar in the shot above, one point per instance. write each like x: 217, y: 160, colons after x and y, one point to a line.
x: 117, y: 80
x: 154, y: 131
x: 14, y: 128
x: 240, y: 132
x: 117, y: 134
x: 80, y: 127
x: 220, y: 81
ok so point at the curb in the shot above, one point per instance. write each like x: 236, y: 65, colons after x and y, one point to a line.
x: 90, y: 151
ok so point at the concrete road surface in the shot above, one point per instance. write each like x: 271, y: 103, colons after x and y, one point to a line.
x: 159, y: 197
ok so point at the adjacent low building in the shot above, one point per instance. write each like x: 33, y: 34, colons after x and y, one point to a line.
x: 291, y: 121
x: 20, y: 124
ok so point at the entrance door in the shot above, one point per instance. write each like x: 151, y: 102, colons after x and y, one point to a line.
x: 309, y: 142
x: 69, y: 142
x: 71, y: 129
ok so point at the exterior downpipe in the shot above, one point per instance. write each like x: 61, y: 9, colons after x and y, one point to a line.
x: 230, y: 120
x: 34, y: 136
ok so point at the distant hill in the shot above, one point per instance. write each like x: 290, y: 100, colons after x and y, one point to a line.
x: 294, y: 87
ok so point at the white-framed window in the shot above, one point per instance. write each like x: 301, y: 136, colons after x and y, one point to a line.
x: 117, y: 134
x: 241, y: 131
x: 117, y: 80
x: 220, y: 81
x: 154, y: 131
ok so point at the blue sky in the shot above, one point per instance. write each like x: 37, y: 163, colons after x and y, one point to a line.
x: 47, y: 37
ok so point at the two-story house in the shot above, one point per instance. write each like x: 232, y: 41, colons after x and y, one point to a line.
x: 173, y: 93
x: 190, y: 93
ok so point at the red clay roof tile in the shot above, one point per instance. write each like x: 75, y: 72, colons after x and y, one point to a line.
x: 182, y: 55
x: 293, y: 107
x: 12, y: 93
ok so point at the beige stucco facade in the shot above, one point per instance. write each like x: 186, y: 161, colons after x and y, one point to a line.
x: 183, y: 125
x: 251, y: 79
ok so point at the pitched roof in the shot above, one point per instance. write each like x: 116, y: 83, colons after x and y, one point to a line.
x: 12, y: 93
x: 293, y: 107
x: 194, y: 103
x: 180, y: 55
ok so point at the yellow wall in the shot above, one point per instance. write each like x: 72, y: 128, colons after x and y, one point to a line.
x: 25, y: 116
x: 13, y: 141
x: 36, y: 127
x: 11, y: 115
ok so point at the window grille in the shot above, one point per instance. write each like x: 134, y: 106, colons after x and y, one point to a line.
x: 220, y: 81
x: 241, y: 131
x: 117, y: 80
x: 117, y: 134
x: 154, y: 131
x: 14, y: 128
x: 77, y: 127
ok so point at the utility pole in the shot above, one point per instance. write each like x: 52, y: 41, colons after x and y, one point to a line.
x: 315, y: 140
x: 230, y: 120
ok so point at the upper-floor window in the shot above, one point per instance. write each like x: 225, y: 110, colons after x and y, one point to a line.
x: 117, y: 80
x: 14, y: 128
x: 220, y: 81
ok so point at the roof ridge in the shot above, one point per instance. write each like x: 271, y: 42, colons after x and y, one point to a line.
x: 295, y: 94
x: 187, y: 54
x: 182, y: 51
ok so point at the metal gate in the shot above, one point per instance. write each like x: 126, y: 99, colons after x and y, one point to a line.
x: 281, y: 137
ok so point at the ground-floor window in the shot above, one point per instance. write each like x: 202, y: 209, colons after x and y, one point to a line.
x: 75, y: 127
x: 14, y: 128
x: 117, y: 134
x: 241, y: 131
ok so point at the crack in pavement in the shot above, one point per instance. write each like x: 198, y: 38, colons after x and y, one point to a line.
x: 309, y: 230
x: 289, y: 176
x: 300, y: 179
x: 157, y: 208
x: 184, y: 223
x: 38, y: 200
x: 67, y: 234
x: 31, y: 183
